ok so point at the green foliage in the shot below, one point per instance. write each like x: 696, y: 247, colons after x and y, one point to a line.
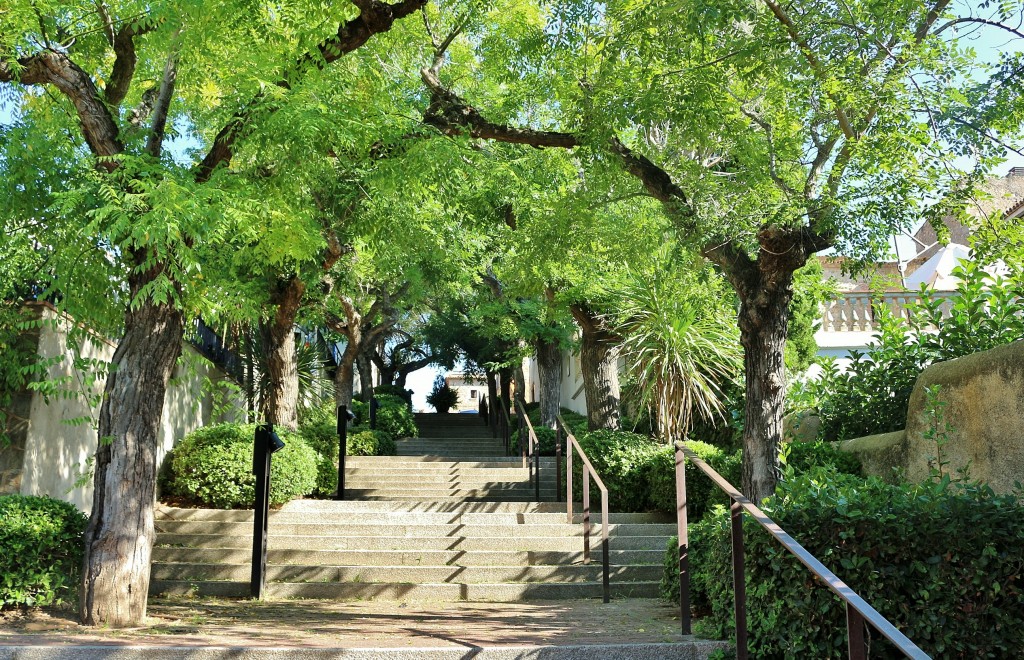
x: 41, y: 545
x: 361, y: 410
x: 360, y: 441
x: 395, y: 416
x: 212, y: 466
x: 942, y: 563
x: 442, y: 397
x: 873, y: 394
x: 621, y: 460
x: 801, y: 457
x: 701, y: 493
x: 393, y: 391
x: 809, y: 292
x: 19, y: 365
x: 680, y: 342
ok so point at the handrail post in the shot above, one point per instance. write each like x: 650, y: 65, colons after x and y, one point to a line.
x: 568, y: 478
x: 605, y: 558
x: 522, y: 439
x: 558, y: 463
x: 342, y: 450
x: 536, y: 467
x: 739, y: 580
x: 684, y: 542
x: 586, y: 513
x: 855, y: 634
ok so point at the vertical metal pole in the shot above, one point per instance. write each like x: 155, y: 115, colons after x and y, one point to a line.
x: 536, y: 467
x: 858, y: 649
x: 261, y: 468
x: 586, y: 514
x: 568, y: 478
x: 342, y: 450
x: 558, y: 464
x: 739, y: 580
x: 605, y: 559
x: 522, y: 438
x: 373, y: 413
x: 684, y: 543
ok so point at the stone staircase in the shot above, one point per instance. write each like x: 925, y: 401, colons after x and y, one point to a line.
x: 448, y: 519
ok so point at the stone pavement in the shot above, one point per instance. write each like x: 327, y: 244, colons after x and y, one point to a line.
x: 628, y: 628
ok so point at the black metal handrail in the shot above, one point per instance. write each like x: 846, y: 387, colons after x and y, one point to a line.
x: 530, y: 448
x: 858, y: 610
x: 588, y: 473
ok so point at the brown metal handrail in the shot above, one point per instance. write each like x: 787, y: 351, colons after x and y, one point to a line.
x: 588, y: 472
x: 529, y: 449
x: 504, y: 426
x: 858, y: 610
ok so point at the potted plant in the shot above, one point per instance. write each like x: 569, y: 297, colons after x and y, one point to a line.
x: 443, y: 398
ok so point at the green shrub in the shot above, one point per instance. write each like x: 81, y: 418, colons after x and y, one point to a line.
x: 361, y: 410
x: 620, y: 459
x: 701, y: 493
x: 803, y: 456
x: 359, y: 441
x: 545, y: 440
x: 442, y: 397
x: 393, y: 391
x: 872, y: 395
x: 943, y: 563
x: 212, y: 466
x: 395, y: 416
x: 41, y: 544
x: 577, y: 423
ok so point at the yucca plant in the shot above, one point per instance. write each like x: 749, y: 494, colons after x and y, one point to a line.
x: 680, y: 345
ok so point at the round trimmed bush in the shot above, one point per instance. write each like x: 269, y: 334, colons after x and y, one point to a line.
x: 41, y: 544
x: 395, y: 417
x: 620, y: 459
x: 701, y: 493
x: 212, y: 466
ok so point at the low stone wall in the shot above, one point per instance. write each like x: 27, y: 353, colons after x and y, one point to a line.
x: 983, y: 395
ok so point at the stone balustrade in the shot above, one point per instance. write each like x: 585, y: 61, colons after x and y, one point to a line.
x: 856, y: 312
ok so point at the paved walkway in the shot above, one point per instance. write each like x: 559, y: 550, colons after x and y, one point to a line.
x: 327, y: 624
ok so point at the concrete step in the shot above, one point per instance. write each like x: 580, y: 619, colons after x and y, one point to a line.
x: 427, y: 592
x: 520, y: 558
x: 328, y: 529
x: 569, y: 573
x: 338, y: 506
x: 360, y: 515
x: 401, y: 543
x: 433, y: 462
x: 400, y: 473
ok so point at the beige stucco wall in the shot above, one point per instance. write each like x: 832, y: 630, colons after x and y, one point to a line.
x: 57, y: 454
x: 984, y: 396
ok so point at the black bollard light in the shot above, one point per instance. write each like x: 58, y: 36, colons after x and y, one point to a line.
x: 266, y: 443
x: 344, y: 417
x: 373, y: 413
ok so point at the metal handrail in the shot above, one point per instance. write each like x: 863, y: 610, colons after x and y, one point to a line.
x: 858, y: 610
x: 505, y: 425
x: 588, y: 472
x: 530, y: 449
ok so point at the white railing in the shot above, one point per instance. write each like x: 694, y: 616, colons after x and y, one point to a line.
x: 856, y: 312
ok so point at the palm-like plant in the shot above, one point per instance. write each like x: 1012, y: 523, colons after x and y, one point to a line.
x: 681, y: 348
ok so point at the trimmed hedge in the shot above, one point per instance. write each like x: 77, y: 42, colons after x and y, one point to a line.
x: 212, y: 466
x: 360, y: 441
x: 41, y: 545
x: 621, y: 459
x: 395, y: 416
x: 701, y: 493
x: 943, y: 563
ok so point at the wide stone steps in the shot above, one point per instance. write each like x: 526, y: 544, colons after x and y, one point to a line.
x: 450, y: 518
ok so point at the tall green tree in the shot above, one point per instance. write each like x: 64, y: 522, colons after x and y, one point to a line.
x: 767, y: 132
x: 123, y: 76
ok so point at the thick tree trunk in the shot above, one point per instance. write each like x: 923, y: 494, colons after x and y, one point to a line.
x: 119, y: 537
x: 600, y: 370
x: 549, y: 369
x: 492, y: 397
x: 763, y: 321
x: 281, y: 405
x: 519, y: 378
x: 344, y: 377
x: 365, y: 375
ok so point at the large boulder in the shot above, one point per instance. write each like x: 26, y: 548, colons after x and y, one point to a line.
x: 984, y: 397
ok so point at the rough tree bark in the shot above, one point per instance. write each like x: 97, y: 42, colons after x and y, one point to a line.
x: 277, y: 334
x: 365, y: 365
x: 549, y: 369
x: 119, y: 537
x: 344, y: 377
x: 492, y: 397
x: 600, y: 369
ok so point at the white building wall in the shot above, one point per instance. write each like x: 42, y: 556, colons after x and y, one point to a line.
x: 57, y: 453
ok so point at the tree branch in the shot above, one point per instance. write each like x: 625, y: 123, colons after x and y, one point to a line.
x: 51, y: 67
x: 154, y: 144
x: 374, y: 17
